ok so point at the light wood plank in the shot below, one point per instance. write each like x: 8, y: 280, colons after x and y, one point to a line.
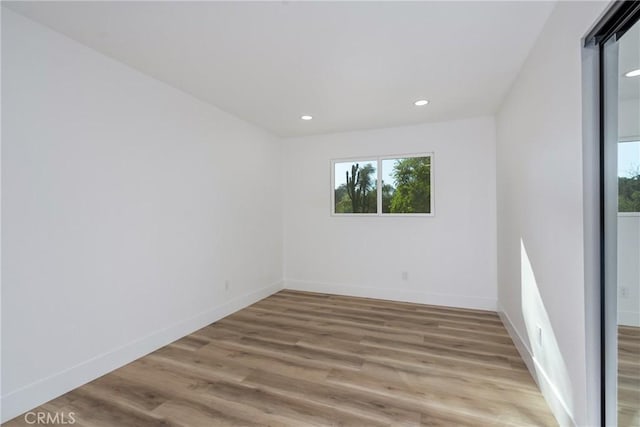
x: 628, y: 376
x: 299, y: 358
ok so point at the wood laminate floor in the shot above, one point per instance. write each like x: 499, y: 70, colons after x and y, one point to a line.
x: 298, y: 359
x: 628, y: 376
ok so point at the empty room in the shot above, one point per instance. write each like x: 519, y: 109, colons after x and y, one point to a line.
x: 320, y: 213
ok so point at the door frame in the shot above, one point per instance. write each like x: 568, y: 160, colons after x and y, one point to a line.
x: 601, y: 302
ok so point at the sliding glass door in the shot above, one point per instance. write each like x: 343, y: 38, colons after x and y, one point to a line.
x: 620, y: 209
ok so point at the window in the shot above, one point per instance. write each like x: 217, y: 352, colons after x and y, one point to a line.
x: 355, y: 184
x: 629, y: 176
x: 387, y: 186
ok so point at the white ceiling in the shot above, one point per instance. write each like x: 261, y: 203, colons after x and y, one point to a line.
x: 628, y: 60
x: 351, y: 65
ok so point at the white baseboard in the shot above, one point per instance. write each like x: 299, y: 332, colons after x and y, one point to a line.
x: 629, y: 318
x: 521, y: 345
x: 41, y: 391
x: 478, y: 303
x: 550, y: 392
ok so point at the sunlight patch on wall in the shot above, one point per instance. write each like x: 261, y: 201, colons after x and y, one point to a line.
x: 551, y: 369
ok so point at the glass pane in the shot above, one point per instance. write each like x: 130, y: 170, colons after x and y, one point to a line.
x: 406, y: 185
x: 628, y: 229
x: 610, y: 202
x: 628, y: 176
x: 355, y: 187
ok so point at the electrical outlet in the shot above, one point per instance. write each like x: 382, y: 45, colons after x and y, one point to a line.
x: 540, y: 336
x: 624, y: 292
x: 405, y: 275
x: 226, y: 285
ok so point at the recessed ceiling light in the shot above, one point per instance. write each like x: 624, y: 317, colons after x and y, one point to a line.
x: 421, y: 102
x: 306, y: 117
x: 633, y: 73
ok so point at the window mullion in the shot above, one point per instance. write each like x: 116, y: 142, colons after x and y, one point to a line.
x: 379, y: 187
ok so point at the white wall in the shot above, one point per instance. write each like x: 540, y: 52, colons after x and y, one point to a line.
x: 126, y: 206
x: 629, y: 228
x: 629, y: 269
x: 540, y: 214
x: 628, y: 123
x: 449, y: 258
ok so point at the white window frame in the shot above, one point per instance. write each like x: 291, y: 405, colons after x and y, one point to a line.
x: 378, y: 161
